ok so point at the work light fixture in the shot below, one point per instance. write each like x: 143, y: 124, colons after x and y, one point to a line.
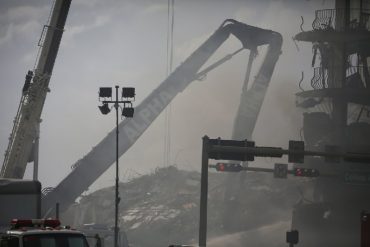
x: 105, y: 92
x: 128, y: 92
x: 104, y: 109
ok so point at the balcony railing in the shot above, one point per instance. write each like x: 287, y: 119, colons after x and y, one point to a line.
x: 334, y: 19
x: 356, y: 77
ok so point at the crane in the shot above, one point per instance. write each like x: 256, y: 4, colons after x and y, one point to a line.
x: 100, y: 158
x: 24, y: 136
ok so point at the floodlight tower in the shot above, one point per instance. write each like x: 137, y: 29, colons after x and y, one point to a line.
x: 128, y: 93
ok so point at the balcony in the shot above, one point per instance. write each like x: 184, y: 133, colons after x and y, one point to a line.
x: 356, y: 77
x: 333, y: 19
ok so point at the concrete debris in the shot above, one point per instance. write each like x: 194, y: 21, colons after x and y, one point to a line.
x: 162, y: 208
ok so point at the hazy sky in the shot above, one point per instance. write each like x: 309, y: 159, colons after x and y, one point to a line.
x: 124, y: 42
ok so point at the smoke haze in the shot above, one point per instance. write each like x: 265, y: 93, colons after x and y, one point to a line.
x: 124, y: 43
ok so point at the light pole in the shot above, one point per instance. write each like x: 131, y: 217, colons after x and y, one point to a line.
x: 128, y: 94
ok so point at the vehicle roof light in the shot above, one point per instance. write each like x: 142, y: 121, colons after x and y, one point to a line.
x: 52, y: 222
x: 17, y: 223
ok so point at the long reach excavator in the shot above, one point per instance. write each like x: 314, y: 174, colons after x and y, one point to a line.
x: 102, y: 156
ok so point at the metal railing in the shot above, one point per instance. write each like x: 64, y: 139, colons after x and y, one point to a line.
x: 356, y: 76
x: 335, y: 19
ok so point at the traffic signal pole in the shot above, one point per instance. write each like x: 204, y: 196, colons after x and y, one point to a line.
x: 277, y: 152
x: 298, y: 172
x: 204, y: 194
x: 246, y: 151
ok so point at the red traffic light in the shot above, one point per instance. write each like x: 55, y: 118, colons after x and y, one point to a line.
x: 220, y: 167
x: 228, y: 167
x: 306, y: 172
x: 298, y: 172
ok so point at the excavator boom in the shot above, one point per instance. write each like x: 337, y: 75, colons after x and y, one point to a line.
x: 102, y: 156
x: 251, y: 99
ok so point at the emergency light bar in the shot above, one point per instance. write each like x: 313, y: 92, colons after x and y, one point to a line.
x: 17, y: 223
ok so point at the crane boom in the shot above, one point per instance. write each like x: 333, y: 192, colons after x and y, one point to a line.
x: 100, y: 158
x: 25, y: 128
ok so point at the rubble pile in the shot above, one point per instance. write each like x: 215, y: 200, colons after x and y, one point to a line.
x: 162, y: 208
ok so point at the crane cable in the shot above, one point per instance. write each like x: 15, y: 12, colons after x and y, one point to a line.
x: 168, y: 111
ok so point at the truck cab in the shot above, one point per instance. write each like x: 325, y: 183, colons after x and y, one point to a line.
x: 41, y: 233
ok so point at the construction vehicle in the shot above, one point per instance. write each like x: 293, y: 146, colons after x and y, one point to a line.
x: 42, y: 233
x: 100, y: 158
x: 23, y: 141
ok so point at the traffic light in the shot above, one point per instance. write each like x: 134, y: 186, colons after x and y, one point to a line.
x: 231, y: 155
x: 280, y: 170
x: 365, y: 228
x: 298, y: 148
x: 228, y: 167
x: 292, y: 237
x: 306, y: 172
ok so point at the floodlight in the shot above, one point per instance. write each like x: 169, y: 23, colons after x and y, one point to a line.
x: 104, y: 109
x: 128, y: 112
x: 128, y: 92
x: 105, y: 92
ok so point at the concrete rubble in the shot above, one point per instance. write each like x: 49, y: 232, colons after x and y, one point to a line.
x: 162, y: 208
